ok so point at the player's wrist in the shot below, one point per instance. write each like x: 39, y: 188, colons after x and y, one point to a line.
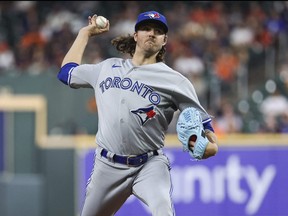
x: 84, y: 34
x: 211, y: 136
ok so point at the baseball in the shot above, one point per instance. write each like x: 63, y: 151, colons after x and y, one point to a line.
x: 101, y: 21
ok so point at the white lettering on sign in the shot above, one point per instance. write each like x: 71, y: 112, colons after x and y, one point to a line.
x: 214, y: 185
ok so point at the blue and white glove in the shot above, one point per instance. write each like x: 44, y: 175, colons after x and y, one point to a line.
x: 189, y: 125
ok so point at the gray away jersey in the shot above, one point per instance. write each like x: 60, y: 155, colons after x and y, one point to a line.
x: 135, y: 103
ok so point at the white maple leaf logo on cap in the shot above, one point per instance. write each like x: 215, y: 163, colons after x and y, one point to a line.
x: 153, y: 15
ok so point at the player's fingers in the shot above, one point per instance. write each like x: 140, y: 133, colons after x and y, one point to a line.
x: 191, y: 145
x: 92, y: 20
x: 107, y: 25
x: 89, y: 20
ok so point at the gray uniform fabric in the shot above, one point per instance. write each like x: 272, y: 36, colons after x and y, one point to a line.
x: 104, y: 199
x: 135, y: 106
x: 121, y: 88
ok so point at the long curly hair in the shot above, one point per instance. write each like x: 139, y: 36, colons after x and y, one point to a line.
x: 127, y: 44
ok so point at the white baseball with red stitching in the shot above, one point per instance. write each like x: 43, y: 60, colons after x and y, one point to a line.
x: 101, y: 21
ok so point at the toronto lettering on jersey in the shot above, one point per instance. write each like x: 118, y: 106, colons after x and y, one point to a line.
x: 141, y: 89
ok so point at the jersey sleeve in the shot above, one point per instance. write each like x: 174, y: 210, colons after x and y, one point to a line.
x: 185, y: 96
x: 85, y: 75
x: 65, y: 72
x: 80, y: 76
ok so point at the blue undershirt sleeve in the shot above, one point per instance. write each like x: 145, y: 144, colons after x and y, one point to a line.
x: 208, y: 126
x: 64, y: 74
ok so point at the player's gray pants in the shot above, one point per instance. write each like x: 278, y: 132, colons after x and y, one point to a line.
x: 112, y: 183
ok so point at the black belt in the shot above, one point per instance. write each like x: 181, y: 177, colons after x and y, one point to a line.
x: 132, y: 160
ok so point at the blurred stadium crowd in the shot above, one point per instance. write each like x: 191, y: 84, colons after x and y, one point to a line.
x: 235, y: 53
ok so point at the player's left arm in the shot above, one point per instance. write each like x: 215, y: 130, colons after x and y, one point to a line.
x: 212, y: 147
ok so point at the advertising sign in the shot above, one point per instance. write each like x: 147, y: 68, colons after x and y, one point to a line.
x: 238, y: 181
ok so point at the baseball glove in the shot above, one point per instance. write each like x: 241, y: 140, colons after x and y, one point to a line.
x: 189, y: 127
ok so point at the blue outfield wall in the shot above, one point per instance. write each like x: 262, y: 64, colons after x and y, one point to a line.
x: 239, y: 181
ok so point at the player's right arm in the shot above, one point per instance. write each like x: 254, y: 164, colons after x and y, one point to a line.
x: 74, y: 56
x: 76, y: 51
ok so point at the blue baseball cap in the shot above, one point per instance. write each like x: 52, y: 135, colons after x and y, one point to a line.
x: 152, y: 16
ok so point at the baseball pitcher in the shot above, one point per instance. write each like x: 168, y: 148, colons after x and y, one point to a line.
x: 136, y: 99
